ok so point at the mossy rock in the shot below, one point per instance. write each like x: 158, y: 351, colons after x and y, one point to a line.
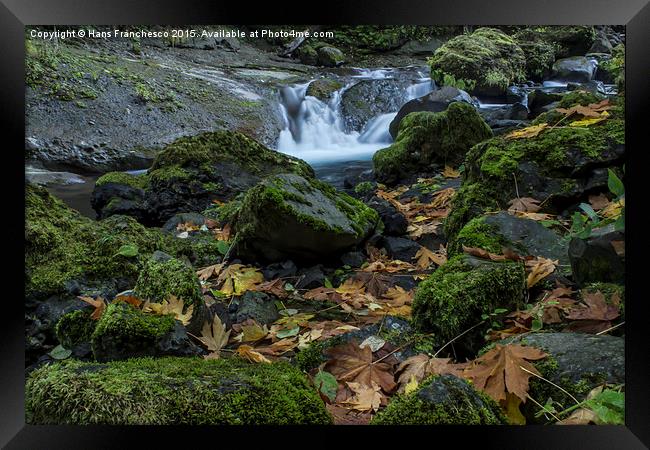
x: 454, y: 297
x: 191, y: 172
x: 159, y: 280
x: 487, y: 61
x: 540, y: 56
x: 330, y: 56
x: 559, y: 166
x: 427, y: 138
x: 75, y: 328
x: 442, y: 400
x: 567, y: 40
x: 323, y: 88
x: 63, y: 246
x: 577, y: 363
x: 291, y: 217
x: 172, y: 391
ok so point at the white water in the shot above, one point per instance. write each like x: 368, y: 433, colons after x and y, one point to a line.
x: 314, y: 130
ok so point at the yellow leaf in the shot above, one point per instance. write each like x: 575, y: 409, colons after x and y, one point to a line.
x: 214, y: 337
x: 450, y: 172
x: 173, y: 306
x: 237, y: 279
x: 412, y: 385
x: 246, y: 351
x: 511, y: 408
x: 527, y: 132
x: 540, y: 268
x: 587, y: 122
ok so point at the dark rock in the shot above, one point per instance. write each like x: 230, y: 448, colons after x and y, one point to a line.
x: 369, y: 98
x: 601, y: 43
x: 539, y: 98
x: 578, y: 69
x: 254, y: 305
x: 593, y: 86
x: 436, y: 101
x: 400, y: 248
x: 111, y: 198
x: 422, y: 48
x: 496, y: 116
x: 595, y: 260
x: 395, y: 223
x: 353, y: 259
x: 311, y: 277
x: 221, y: 310
x: 516, y: 94
x: 330, y: 56
x: 192, y: 218
x: 280, y: 270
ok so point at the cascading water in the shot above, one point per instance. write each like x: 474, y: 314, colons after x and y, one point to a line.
x: 314, y: 130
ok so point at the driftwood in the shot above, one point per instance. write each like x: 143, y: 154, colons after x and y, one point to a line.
x: 292, y: 46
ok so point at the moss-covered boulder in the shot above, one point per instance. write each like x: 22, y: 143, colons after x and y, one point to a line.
x: 540, y: 56
x: 566, y: 40
x: 454, y: 297
x: 191, y: 172
x: 75, y: 328
x: 442, y: 400
x: 161, y: 278
x: 329, y: 56
x: 426, y: 139
x: 291, y: 217
x: 323, y: 88
x: 486, y: 61
x: 525, y: 236
x: 577, y: 362
x: 124, y: 331
x: 172, y: 391
x: 559, y: 166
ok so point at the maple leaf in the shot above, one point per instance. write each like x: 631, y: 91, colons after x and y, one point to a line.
x: 499, y: 371
x: 614, y: 209
x: 539, y: 269
x: 425, y: 257
x: 450, y: 172
x: 376, y: 284
x: 129, y: 299
x: 442, y: 198
x: 237, y: 279
x: 417, y: 231
x: 323, y: 294
x: 279, y: 347
x: 349, y: 362
x: 397, y: 296
x: 98, y: 303
x: 275, y: 287
x: 416, y: 368
x: 209, y: 272
x: 589, y: 122
x: 524, y: 204
x: 214, y: 337
x: 593, y: 317
x: 172, y: 306
x: 366, y: 398
x: 246, y: 351
x: 527, y: 132
x: 250, y: 331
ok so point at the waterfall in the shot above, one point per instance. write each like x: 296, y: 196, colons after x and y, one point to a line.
x: 314, y: 130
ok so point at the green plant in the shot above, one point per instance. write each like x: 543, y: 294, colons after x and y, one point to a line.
x: 494, y: 319
x: 584, y: 224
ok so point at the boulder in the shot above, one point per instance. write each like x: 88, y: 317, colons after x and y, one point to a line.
x: 307, y: 55
x: 427, y: 139
x: 576, y: 68
x: 400, y: 248
x: 601, y: 43
x: 560, y: 166
x: 323, y: 88
x: 188, y: 174
x: 311, y: 277
x: 436, y: 101
x: 330, y: 56
x: 458, y: 293
x: 442, y: 400
x: 253, y: 305
x: 539, y: 98
x: 495, y: 116
x: 595, y: 259
x: 369, y: 98
x: 291, y: 217
x: 565, y: 40
x: 163, y: 391
x: 487, y: 61
x: 395, y: 224
x: 577, y: 362
x: 183, y: 218
x: 124, y: 332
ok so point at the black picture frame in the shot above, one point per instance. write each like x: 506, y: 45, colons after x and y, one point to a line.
x: 16, y: 14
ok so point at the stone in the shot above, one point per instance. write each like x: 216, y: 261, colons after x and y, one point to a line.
x: 576, y: 68
x: 595, y: 260
x: 257, y: 306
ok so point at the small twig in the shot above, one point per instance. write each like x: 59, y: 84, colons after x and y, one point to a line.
x: 543, y: 407
x: 516, y: 187
x: 550, y: 382
x: 610, y: 329
x: 457, y: 337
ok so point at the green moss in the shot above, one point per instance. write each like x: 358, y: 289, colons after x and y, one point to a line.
x: 426, y: 138
x: 323, y: 88
x: 312, y: 356
x: 468, y: 56
x: 365, y: 187
x: 472, y: 199
x: 451, y: 401
x: 454, y: 297
x: 160, y: 279
x: 172, y: 391
x: 477, y: 234
x: 61, y: 245
x: 578, y: 97
x: 540, y: 56
x: 74, y: 328
x: 123, y: 328
x: 566, y: 40
x: 135, y: 181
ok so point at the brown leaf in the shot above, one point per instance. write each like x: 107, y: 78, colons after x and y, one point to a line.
x: 450, y: 172
x: 345, y: 416
x: 499, y: 371
x: 323, y: 294
x: 480, y: 253
x: 619, y: 247
x: 524, y: 204
x: 365, y: 398
x: 397, y: 296
x: 209, y: 272
x: 593, y: 317
x: 98, y: 303
x: 131, y: 300
x: 425, y: 257
x: 598, y: 202
x: 246, y: 351
x: 214, y: 337
x: 376, y: 284
x: 275, y: 287
x: 421, y: 366
x: 349, y: 362
x: 539, y: 268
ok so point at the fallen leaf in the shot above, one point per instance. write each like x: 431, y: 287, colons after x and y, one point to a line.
x: 598, y: 202
x: 421, y: 366
x: 366, y: 398
x: 237, y: 279
x: 374, y: 342
x: 129, y: 299
x: 98, y: 303
x: 527, y: 132
x: 246, y: 351
x: 214, y: 337
x: 484, y: 254
x: 524, y: 204
x: 425, y: 257
x: 397, y: 296
x: 172, y: 306
x: 499, y: 371
x: 594, y: 316
x: 450, y: 172
x: 539, y: 268
x: 348, y: 362
x: 209, y: 272
x: 275, y: 287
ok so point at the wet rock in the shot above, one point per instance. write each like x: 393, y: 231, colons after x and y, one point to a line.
x: 577, y: 69
x: 353, y: 259
x: 112, y: 198
x: 44, y: 177
x: 280, y: 270
x: 593, y: 86
x: 496, y: 116
x: 395, y: 224
x: 254, y: 305
x: 311, y: 277
x: 323, y: 88
x: 290, y: 217
x: 539, y: 98
x: 422, y: 48
x: 436, y: 101
x: 330, y: 56
x: 369, y: 98
x: 400, y: 248
x: 578, y: 363
x: 442, y: 400
x: 595, y: 259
